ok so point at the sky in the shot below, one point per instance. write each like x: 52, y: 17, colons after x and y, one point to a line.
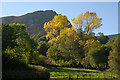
x: 108, y: 11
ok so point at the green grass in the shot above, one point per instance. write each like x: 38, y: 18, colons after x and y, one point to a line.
x: 64, y: 73
x: 31, y: 72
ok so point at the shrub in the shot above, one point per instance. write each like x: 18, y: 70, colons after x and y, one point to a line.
x: 14, y: 59
x: 97, y: 58
x: 42, y: 47
x: 40, y: 60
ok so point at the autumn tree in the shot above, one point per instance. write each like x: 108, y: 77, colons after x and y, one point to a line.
x: 64, y: 40
x: 84, y: 25
x: 87, y: 22
x: 54, y: 26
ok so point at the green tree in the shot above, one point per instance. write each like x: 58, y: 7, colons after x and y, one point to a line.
x: 66, y: 47
x: 88, y: 45
x: 8, y: 36
x: 98, y: 58
x: 42, y: 47
x: 114, y: 57
x: 54, y: 53
x: 68, y: 44
x: 17, y: 45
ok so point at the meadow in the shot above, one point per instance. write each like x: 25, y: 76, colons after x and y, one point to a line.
x: 64, y: 73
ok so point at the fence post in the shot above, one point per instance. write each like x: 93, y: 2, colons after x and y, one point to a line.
x: 83, y: 76
x: 69, y: 77
x: 77, y: 76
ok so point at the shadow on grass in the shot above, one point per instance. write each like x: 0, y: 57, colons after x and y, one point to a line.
x: 31, y: 73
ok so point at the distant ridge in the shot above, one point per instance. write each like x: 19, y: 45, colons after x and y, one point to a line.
x: 34, y: 21
x: 112, y: 36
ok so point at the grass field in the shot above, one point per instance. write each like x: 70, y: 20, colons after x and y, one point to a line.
x: 58, y: 73
x: 77, y: 73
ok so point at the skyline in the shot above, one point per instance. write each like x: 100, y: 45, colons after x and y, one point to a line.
x: 108, y: 11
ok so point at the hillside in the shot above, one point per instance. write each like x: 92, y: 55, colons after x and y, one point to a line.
x: 112, y: 36
x: 33, y: 21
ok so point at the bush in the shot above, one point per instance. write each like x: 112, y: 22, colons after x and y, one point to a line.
x: 42, y: 47
x: 42, y: 60
x: 13, y: 59
x: 23, y: 59
x: 97, y: 58
x: 39, y: 59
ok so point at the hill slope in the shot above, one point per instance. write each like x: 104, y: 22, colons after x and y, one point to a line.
x: 112, y: 36
x: 33, y: 21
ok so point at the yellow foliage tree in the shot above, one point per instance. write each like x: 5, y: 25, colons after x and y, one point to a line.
x: 87, y: 22
x: 54, y: 26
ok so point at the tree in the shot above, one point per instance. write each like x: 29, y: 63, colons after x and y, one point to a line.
x: 114, y: 57
x: 17, y: 45
x: 54, y: 26
x: 54, y: 53
x: 84, y: 25
x: 8, y: 36
x: 87, y: 22
x: 66, y: 47
x: 68, y: 44
x: 88, y: 45
x: 63, y: 40
x: 42, y: 47
x: 91, y: 43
